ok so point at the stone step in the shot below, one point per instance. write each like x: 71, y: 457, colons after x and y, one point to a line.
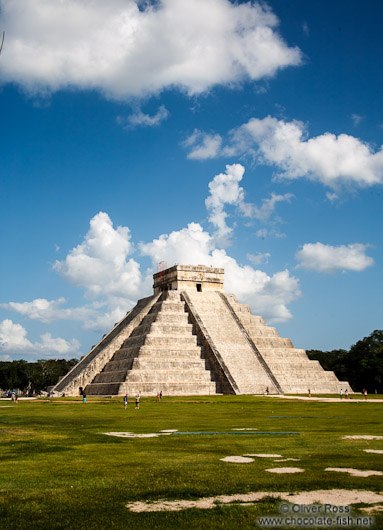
x: 302, y: 376
x: 151, y: 388
x: 169, y: 376
x: 171, y: 318
x: 123, y: 364
x: 163, y: 328
x: 260, y: 332
x: 153, y: 340
x: 157, y: 351
x: 271, y: 354
x: 168, y: 363
x: 110, y: 376
x: 273, y: 342
x: 168, y: 307
x: 102, y: 389
x: 292, y: 366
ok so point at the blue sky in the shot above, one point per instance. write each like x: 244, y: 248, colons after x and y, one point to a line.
x: 242, y: 135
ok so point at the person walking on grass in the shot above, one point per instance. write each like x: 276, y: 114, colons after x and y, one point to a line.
x: 126, y: 401
x: 137, y: 400
x: 341, y: 394
x: 84, y: 398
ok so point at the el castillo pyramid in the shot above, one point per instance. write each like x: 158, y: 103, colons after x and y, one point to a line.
x: 192, y: 338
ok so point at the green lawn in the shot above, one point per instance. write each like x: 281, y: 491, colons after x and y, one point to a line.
x: 58, y: 469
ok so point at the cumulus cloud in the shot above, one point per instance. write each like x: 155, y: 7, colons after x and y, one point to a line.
x: 14, y: 341
x: 258, y: 258
x: 191, y: 243
x: 356, y: 119
x: 128, y: 48
x: 203, y: 145
x: 139, y: 119
x: 50, y: 310
x: 267, y: 295
x: 225, y: 190
x: 332, y: 160
x: 326, y: 258
x: 100, y: 264
x: 264, y: 212
x: 335, y: 161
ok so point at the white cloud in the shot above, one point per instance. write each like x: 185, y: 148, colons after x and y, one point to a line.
x: 264, y: 212
x: 224, y: 189
x: 267, y: 295
x: 258, y: 258
x: 335, y: 161
x: 356, y: 118
x: 139, y: 119
x: 190, y: 245
x: 326, y: 258
x: 49, y: 310
x: 203, y: 145
x: 100, y: 263
x: 123, y: 51
x: 13, y: 340
x: 332, y: 160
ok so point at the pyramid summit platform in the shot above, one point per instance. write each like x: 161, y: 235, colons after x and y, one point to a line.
x: 192, y: 338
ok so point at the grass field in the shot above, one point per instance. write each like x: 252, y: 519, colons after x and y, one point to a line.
x: 60, y: 471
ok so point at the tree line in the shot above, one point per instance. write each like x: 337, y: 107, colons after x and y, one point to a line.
x: 32, y: 378
x: 361, y: 365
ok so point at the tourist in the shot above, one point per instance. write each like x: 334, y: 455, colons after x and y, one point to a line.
x: 137, y: 400
x: 84, y: 398
x: 161, y: 394
x: 346, y: 393
x: 365, y: 394
x: 341, y: 394
x: 158, y: 396
x: 309, y: 391
x: 126, y: 401
x: 267, y: 390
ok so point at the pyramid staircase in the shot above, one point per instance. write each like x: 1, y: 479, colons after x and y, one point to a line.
x: 161, y: 354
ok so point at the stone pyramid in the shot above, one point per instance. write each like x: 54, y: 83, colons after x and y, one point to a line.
x: 191, y: 338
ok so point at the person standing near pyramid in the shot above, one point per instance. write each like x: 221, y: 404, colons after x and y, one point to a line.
x: 137, y: 400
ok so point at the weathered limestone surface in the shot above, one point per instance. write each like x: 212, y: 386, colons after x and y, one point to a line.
x: 192, y: 338
x: 90, y: 365
x: 291, y: 367
x: 160, y: 354
x: 243, y: 362
x: 184, y: 277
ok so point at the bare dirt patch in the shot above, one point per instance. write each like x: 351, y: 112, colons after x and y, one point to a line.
x: 245, y: 429
x: 338, y: 497
x: 363, y: 437
x: 285, y: 470
x: 237, y: 459
x: 354, y: 472
x: 169, y: 430
x: 135, y: 435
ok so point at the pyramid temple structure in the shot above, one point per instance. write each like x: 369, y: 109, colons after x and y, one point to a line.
x: 192, y: 338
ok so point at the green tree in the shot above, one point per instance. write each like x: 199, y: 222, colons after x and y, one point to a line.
x: 365, y: 361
